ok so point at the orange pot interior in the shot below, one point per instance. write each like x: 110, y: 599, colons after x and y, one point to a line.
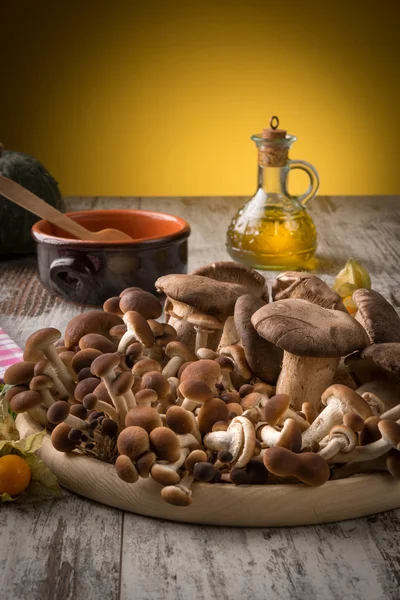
x: 140, y: 225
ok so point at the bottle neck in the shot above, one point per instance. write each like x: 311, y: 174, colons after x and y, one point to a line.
x: 270, y: 179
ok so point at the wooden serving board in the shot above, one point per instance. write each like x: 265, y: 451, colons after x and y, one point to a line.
x: 222, y: 504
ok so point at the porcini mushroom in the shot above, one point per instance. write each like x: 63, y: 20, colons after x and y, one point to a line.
x: 313, y: 339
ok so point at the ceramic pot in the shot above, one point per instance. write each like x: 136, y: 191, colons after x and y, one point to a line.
x: 89, y: 272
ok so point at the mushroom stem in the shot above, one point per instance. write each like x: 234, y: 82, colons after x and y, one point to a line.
x: 331, y: 415
x: 268, y: 434
x: 363, y: 453
x: 218, y: 440
x: 38, y: 414
x: 305, y: 378
x: 172, y: 366
x: 393, y: 413
x: 77, y: 423
x: 61, y: 370
x: 333, y: 446
x: 201, y: 337
x: 188, y: 440
x: 118, y: 401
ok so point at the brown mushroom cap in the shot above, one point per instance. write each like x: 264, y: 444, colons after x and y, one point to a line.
x: 85, y: 387
x: 125, y: 468
x: 211, y: 412
x: 104, y: 364
x: 112, y: 305
x: 165, y: 444
x: 142, y: 302
x: 275, y: 408
x: 164, y: 475
x: 58, y: 412
x: 143, y: 397
x: 133, y: 441
x: 354, y: 421
x: 377, y: 316
x: 179, y: 420
x: 308, y: 467
x: 98, y: 342
x: 176, y: 348
x: 37, y: 343
x: 295, y: 284
x: 208, y: 371
x: 13, y: 391
x: 204, y: 322
x: 157, y: 382
x: 84, y: 358
x: 263, y: 357
x: 19, y: 373
x: 123, y: 383
x: 204, y: 471
x: 195, y: 390
x: 101, y: 392
x: 145, y: 417
x: 251, y: 400
x: 60, y: 439
x: 232, y: 272
x: 193, y: 458
x: 78, y: 410
x: 236, y: 353
x: 145, y: 462
x: 24, y: 401
x: 306, y: 329
x: 202, y: 293
x: 41, y: 382
x: 370, y: 432
x: 176, y: 496
x: 390, y: 431
x: 91, y: 322
x: 348, y: 397
x: 138, y: 324
x: 385, y: 356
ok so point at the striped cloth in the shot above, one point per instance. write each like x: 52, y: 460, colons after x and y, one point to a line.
x: 10, y: 353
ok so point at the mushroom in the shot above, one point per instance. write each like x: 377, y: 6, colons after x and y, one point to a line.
x: 30, y: 402
x: 122, y: 386
x: 59, y: 412
x: 377, y: 370
x: 183, y: 423
x: 144, y: 463
x: 178, y: 353
x: 60, y: 438
x: 313, y: 339
x: 195, y: 392
x: 43, y: 367
x: 95, y: 321
x: 91, y: 402
x: 138, y: 330
x: 208, y: 371
x: 145, y: 417
x: 84, y: 358
x: 19, y: 373
x: 227, y: 367
x: 43, y: 384
x: 263, y: 357
x: 167, y: 473
x: 236, y: 354
x: 165, y: 444
x: 212, y: 412
x: 179, y: 494
x: 112, y: 305
x: 204, y: 325
x: 145, y: 365
x: 138, y: 300
x: 126, y: 470
x: 159, y: 384
x: 390, y: 432
x: 288, y: 437
x: 379, y: 319
x: 308, y: 467
x: 133, y: 441
x: 277, y: 408
x: 338, y: 400
x: 104, y: 366
x: 97, y: 342
x: 341, y: 439
x: 146, y: 397
x: 239, y: 439
x: 40, y: 345
x: 294, y: 284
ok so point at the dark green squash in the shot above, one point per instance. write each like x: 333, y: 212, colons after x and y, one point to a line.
x: 15, y: 222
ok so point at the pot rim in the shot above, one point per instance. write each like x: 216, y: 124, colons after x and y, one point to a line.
x: 45, y: 238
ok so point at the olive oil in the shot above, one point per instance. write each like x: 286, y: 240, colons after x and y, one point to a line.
x: 273, y: 229
x: 277, y: 240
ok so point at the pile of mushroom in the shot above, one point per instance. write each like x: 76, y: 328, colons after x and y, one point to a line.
x: 231, y: 388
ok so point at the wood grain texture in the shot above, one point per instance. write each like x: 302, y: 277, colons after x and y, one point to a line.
x: 161, y: 560
x: 221, y: 504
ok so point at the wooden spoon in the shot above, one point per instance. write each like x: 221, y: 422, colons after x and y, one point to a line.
x: 23, y: 197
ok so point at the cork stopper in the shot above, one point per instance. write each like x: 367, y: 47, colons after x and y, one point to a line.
x: 274, y: 152
x: 272, y: 132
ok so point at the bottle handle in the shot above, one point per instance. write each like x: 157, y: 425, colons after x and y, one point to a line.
x: 314, y: 180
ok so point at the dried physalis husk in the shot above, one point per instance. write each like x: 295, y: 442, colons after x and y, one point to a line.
x: 352, y: 277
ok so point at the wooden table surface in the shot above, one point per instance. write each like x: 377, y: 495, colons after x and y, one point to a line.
x: 76, y: 549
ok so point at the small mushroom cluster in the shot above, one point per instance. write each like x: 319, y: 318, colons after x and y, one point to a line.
x: 231, y: 388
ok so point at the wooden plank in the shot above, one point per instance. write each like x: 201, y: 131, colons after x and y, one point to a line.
x: 66, y: 549
x: 355, y: 560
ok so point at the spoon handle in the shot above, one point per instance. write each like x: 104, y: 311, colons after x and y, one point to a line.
x: 23, y: 197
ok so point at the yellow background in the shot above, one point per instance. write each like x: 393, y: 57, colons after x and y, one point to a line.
x: 161, y: 97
